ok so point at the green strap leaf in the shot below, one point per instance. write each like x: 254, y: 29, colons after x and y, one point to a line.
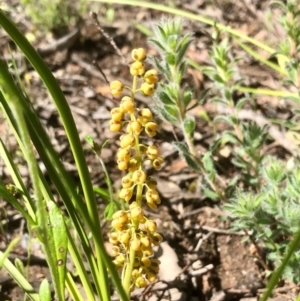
x: 56, y: 245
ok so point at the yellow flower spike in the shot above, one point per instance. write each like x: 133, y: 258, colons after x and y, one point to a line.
x: 135, y: 244
x: 126, y: 194
x: 134, y: 234
x: 116, y: 87
x: 152, y: 152
x: 151, y: 277
x: 151, y: 129
x: 127, y: 140
x: 139, y: 177
x: 147, y: 89
x: 151, y: 76
x: 140, y: 282
x: 127, y: 182
x: 150, y: 225
x: 124, y: 153
x: 136, y: 127
x: 127, y: 104
x: 122, y: 164
x: 138, y: 54
x: 116, y: 114
x: 137, y: 68
x: 156, y: 163
x: 133, y: 165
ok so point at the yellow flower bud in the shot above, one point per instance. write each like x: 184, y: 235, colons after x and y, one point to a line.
x: 116, y: 87
x: 138, y: 255
x: 118, y: 225
x: 152, y: 152
x: 145, y: 241
x: 125, y: 238
x: 142, y: 220
x: 151, y: 277
x: 126, y: 194
x: 144, y: 116
x: 122, y: 164
x: 156, y: 239
x: 116, y: 114
x: 113, y: 238
x: 138, y: 54
x: 127, y: 104
x: 156, y: 163
x: 128, y: 128
x: 115, y: 126
x: 148, y: 251
x: 151, y: 183
x: 140, y: 282
x: 151, y: 76
x: 136, y: 213
x: 120, y: 259
x: 127, y: 182
x: 152, y: 205
x: 135, y: 244
x: 133, y: 205
x: 139, y: 177
x: 115, y: 250
x: 155, y: 262
x: 124, y: 154
x: 152, y: 195
x: 133, y: 165
x: 137, y: 68
x: 118, y: 214
x: 135, y: 273
x: 147, y: 89
x: 127, y: 140
x: 145, y: 262
x: 151, y: 129
x: 121, y: 216
x: 150, y: 225
x: 136, y: 127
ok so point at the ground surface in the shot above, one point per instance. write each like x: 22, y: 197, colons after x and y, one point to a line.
x: 201, y: 259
